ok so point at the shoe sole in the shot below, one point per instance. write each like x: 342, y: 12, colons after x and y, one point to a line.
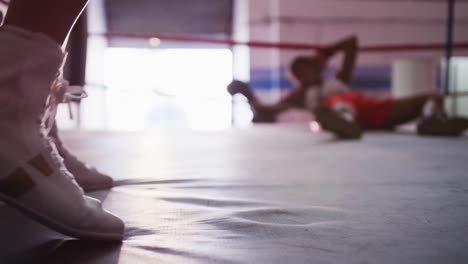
x: 54, y: 225
x: 426, y: 130
x: 451, y: 128
x: 93, y: 188
x: 439, y: 133
x: 331, y: 121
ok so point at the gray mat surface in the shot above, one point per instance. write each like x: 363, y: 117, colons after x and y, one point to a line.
x: 266, y: 195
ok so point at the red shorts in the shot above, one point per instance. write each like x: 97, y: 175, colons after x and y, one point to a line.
x: 370, y: 113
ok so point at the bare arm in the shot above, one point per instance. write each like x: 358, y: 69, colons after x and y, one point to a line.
x: 350, y: 48
x: 294, y: 99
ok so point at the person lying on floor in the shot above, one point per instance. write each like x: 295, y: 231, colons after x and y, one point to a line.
x: 345, y: 112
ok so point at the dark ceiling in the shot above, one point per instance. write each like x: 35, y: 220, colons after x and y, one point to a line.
x: 207, y: 17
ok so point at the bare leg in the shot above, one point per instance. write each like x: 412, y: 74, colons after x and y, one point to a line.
x: 54, y: 18
x: 408, y: 109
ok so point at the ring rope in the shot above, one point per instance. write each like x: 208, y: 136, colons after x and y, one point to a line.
x: 279, y: 45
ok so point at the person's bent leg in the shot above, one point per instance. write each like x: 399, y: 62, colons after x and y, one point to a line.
x: 337, y: 114
x: 435, y: 122
x: 411, y: 108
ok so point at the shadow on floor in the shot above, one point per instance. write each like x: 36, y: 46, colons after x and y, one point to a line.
x: 68, y: 251
x: 150, y: 181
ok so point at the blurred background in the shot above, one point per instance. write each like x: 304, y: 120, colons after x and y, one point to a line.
x: 140, y: 83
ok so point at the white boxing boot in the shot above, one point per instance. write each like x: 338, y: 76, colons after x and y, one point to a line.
x: 89, y: 178
x: 33, y: 177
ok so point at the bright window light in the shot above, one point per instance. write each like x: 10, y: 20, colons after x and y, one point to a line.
x: 184, y: 88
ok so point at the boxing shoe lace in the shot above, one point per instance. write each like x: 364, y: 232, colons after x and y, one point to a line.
x: 61, y: 92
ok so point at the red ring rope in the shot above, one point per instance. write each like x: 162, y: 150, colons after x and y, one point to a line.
x: 279, y: 45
